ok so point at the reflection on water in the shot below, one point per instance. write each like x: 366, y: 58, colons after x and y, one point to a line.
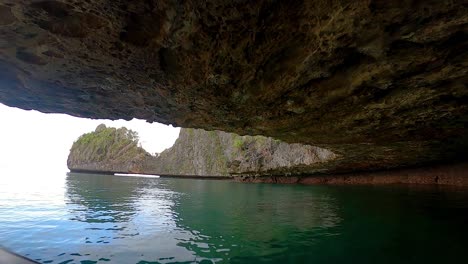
x: 98, y: 200
x: 262, y: 222
x: 96, y: 218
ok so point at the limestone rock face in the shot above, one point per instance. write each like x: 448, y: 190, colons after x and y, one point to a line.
x: 195, y: 152
x: 216, y: 153
x: 108, y: 149
x: 382, y: 83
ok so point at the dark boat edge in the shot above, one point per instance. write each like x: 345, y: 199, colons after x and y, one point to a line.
x: 10, y: 257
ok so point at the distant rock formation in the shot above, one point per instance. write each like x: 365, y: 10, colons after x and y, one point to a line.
x: 108, y: 149
x: 201, y: 152
x: 195, y: 152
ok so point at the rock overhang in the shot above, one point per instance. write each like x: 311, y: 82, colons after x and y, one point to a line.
x: 381, y: 83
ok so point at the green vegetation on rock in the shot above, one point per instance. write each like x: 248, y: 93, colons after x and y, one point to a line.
x: 107, y: 149
x: 195, y: 152
x: 238, y: 143
x: 217, y: 153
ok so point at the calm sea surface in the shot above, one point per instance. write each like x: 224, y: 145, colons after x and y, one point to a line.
x: 83, y: 218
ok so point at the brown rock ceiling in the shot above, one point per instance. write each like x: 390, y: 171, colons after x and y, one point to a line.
x: 382, y: 83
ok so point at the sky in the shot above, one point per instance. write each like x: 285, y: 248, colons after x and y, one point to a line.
x: 34, y: 141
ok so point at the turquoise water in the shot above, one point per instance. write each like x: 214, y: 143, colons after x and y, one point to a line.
x: 108, y: 219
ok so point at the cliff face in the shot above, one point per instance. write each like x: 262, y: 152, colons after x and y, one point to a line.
x: 260, y: 155
x: 108, y: 149
x: 381, y: 82
x: 195, y: 152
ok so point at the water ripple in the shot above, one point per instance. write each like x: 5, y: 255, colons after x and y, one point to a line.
x: 99, y: 219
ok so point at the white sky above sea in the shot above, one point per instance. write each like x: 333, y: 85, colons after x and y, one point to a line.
x: 34, y: 141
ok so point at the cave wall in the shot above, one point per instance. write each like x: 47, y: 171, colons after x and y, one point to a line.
x: 380, y: 83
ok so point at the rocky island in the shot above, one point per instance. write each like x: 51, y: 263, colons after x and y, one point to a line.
x: 195, y: 153
x: 108, y: 149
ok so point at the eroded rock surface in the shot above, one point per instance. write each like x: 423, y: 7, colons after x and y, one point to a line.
x: 216, y: 153
x: 381, y: 83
